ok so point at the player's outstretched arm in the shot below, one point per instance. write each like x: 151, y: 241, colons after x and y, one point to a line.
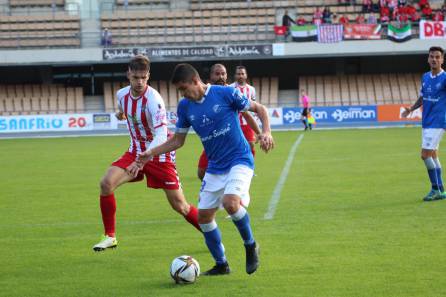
x: 171, y: 144
x: 252, y: 122
x: 265, y: 138
x: 408, y: 110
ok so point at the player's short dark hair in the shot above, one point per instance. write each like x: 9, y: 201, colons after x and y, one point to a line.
x: 183, y: 73
x: 215, y: 66
x: 139, y: 63
x: 241, y: 67
x: 437, y: 49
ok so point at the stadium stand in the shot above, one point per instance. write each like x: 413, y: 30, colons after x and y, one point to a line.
x: 361, y: 89
x: 51, y: 30
x: 34, y: 3
x: 185, y: 27
x: 40, y: 99
x: 38, y: 24
x: 267, y: 92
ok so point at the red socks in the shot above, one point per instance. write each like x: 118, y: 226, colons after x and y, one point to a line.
x: 192, y: 217
x: 108, y: 210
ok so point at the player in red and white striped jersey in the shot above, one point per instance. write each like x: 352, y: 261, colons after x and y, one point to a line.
x: 241, y: 83
x: 144, y: 110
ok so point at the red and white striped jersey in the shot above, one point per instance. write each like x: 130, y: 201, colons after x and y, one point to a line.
x: 146, y: 121
x: 250, y: 93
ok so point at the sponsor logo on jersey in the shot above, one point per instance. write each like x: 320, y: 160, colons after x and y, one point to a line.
x: 216, y: 108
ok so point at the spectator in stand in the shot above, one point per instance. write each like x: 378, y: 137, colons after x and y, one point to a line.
x: 443, y: 9
x: 367, y: 6
x: 286, y: 22
x: 334, y: 19
x: 392, y: 5
x: 300, y: 21
x: 317, y: 16
x: 384, y: 14
x: 438, y: 16
x: 423, y: 3
x: 402, y: 2
x: 412, y: 13
x: 400, y: 14
x: 372, y: 19
x: 106, y: 38
x: 427, y: 11
x: 344, y: 20
x: 326, y: 15
x: 360, y: 19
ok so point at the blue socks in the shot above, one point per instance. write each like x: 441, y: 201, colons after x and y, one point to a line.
x: 212, y: 234
x: 241, y: 221
x: 438, y: 172
x: 433, y: 167
x: 212, y: 237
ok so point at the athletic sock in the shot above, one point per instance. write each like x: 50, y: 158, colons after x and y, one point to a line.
x: 212, y: 237
x: 432, y: 172
x: 108, y: 210
x: 192, y: 217
x: 242, y: 222
x: 438, y: 173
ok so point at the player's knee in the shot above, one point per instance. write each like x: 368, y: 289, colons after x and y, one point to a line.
x: 231, y: 205
x: 107, y: 186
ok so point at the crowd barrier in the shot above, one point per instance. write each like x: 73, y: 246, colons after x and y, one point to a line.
x: 280, y: 117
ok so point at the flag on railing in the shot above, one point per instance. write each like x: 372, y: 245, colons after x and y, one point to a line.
x: 330, y: 33
x: 399, y: 34
x: 280, y: 30
x: 304, y: 33
x: 362, y: 31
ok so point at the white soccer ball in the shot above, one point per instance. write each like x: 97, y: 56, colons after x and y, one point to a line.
x: 184, y: 270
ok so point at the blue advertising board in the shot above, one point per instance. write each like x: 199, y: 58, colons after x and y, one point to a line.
x: 333, y: 114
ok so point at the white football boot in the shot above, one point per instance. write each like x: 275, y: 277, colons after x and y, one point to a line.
x: 105, y: 243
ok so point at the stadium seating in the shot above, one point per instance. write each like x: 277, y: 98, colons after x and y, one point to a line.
x: 182, y: 27
x: 267, y: 89
x: 361, y: 89
x: 40, y: 99
x: 51, y: 30
x: 142, y: 2
x: 25, y: 3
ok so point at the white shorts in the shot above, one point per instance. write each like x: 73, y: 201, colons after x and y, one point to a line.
x: 214, y: 186
x: 431, y: 138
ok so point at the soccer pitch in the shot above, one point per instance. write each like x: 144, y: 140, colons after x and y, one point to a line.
x: 349, y: 222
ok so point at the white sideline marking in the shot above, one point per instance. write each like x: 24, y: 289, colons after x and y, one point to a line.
x: 283, y: 176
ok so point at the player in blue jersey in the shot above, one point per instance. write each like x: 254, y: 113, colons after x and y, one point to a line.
x: 433, y: 99
x: 212, y: 111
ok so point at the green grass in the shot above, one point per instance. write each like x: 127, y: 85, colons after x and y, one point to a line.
x: 350, y: 222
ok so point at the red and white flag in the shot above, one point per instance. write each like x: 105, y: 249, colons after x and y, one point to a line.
x: 330, y: 33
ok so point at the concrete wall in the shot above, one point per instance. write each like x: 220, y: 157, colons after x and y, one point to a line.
x: 356, y: 48
x: 285, y: 50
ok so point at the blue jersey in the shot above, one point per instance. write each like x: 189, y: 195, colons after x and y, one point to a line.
x: 215, y: 120
x: 433, y: 91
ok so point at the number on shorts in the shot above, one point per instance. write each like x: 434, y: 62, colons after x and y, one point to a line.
x: 202, y: 186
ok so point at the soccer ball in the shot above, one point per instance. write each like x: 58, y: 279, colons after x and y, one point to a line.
x: 184, y: 270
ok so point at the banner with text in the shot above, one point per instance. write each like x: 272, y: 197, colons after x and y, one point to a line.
x: 332, y: 114
x: 362, y: 31
x: 393, y: 113
x: 38, y: 123
x: 432, y: 30
x: 163, y: 53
